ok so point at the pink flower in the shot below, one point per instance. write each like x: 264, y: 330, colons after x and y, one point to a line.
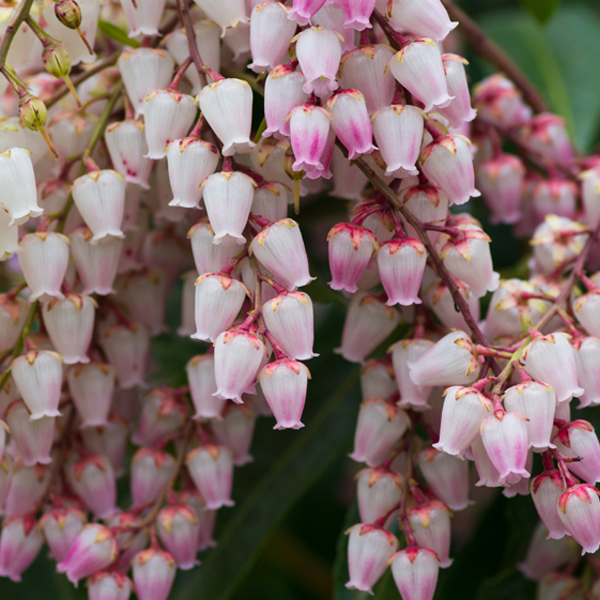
x: 201, y: 378
x: 28, y: 486
x: 546, y: 489
x: 579, y: 510
x: 20, y: 542
x: 177, y: 528
x: 309, y: 129
x: 358, y: 13
x: 143, y: 20
x: 415, y: 571
x: 33, y: 438
x: 91, y: 387
x: 151, y: 471
x: 109, y: 585
x: 587, y: 360
x: 377, y: 491
x: 459, y: 111
x: 162, y: 415
x: 235, y: 429
x: 546, y: 133
x: 92, y: 478
x: 127, y: 349
x: 303, y: 10
x: 578, y: 439
x: 153, y: 574
x: 60, y: 527
x: 430, y: 523
x: 18, y: 196
x: 488, y: 474
x: 421, y: 17
x: 270, y: 201
x: 555, y: 197
x: 377, y: 379
x: 208, y: 256
x: 211, y: 468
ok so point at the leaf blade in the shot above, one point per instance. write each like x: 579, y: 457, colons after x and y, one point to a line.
x: 117, y: 34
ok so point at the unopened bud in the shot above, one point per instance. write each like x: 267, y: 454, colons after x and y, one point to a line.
x: 56, y: 61
x: 68, y: 13
x: 33, y: 112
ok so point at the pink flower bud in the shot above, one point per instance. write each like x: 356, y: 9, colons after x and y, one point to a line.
x: 380, y: 426
x: 369, y: 549
x: 227, y: 107
x: 536, y: 402
x: 504, y: 436
x: 498, y: 100
x: 415, y: 571
x: 177, y: 528
x: 91, y: 387
x: 587, y: 311
x: 283, y: 383
x: 555, y: 197
x: 127, y: 348
x: 201, y: 379
x: 280, y: 248
x: 309, y: 129
x: 351, y: 122
x: 270, y: 34
x: 357, y: 13
x: 191, y: 161
x: 303, y: 10
x: 92, y: 478
x: 153, y: 574
x: 430, y: 523
x: 377, y: 379
x: 459, y: 111
x: 228, y: 198
x: 450, y: 361
x: 545, y: 491
x: 546, y: 133
x: 463, y: 412
x: 151, y: 471
x: 590, y: 196
x: 33, y: 438
x: 43, y: 258
x: 206, y: 518
x: 28, y: 486
x: 20, y: 542
x: 378, y: 490
x: 579, y: 511
x: 162, y: 416
x: 93, y: 550
x: 578, y: 439
x: 219, y: 299
x: 211, y: 468
x: 109, y: 585
x: 96, y: 263
x: 127, y: 147
x: 421, y: 17
x: 427, y: 203
x: 319, y: 51
x: 448, y: 478
x: 18, y: 195
x: 209, y: 257
x: 403, y: 352
x: 144, y: 70
x: 587, y: 360
x: 448, y: 164
x: 418, y: 67
x: 551, y: 359
x: 368, y: 323
x: 60, y: 527
x: 235, y: 430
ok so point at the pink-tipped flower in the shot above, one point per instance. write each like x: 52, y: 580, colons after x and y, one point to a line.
x: 394, y: 122
x: 319, y: 51
x: 93, y: 550
x: 28, y: 486
x: 111, y: 439
x: 504, y: 436
x: 447, y: 476
x: 132, y: 535
x: 109, y: 585
x: 38, y: 376
x: 587, y: 359
x: 228, y: 198
x: 227, y: 107
x: 488, y: 474
x: 451, y: 361
x: 92, y: 478
x: 162, y: 416
x: 270, y: 201
x: 401, y: 263
x: 546, y: 489
x: 127, y: 147
x: 211, y: 468
x: 547, y: 134
x: 127, y: 348
x: 590, y: 196
x: 151, y: 471
x: 377, y: 490
x: 555, y: 197
x: 463, y: 412
x: 153, y: 574
x: 190, y: 161
x: 20, y: 542
x: 415, y: 571
x: 578, y: 439
x: 100, y: 199
x: 304, y: 10
x: 369, y: 549
x: 270, y: 34
x: 551, y: 359
x: 380, y: 426
x: 18, y: 195
x: 448, y: 164
x: 357, y: 13
x: 201, y: 379
x: 421, y: 17
x: 177, y: 528
x: 430, y: 523
x: 351, y: 122
x: 208, y: 256
x: 404, y: 352
x: 545, y: 555
x: 309, y: 131
x: 418, y: 67
x: 33, y: 438
x: 459, y: 110
x: 60, y: 527
x: 43, y: 258
x: 536, y: 402
x: 351, y: 248
x: 427, y: 203
x: 579, y: 510
x: 91, y: 387
x: 284, y: 383
x: 235, y: 429
x: 377, y: 379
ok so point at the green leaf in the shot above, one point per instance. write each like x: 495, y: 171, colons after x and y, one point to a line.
x: 117, y: 34
x: 542, y: 10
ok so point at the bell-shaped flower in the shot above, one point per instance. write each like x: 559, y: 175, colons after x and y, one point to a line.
x: 546, y: 133
x: 131, y: 540
x: 127, y: 147
x: 225, y: 14
x: 319, y: 51
x: 350, y: 121
x: 304, y: 10
x: 38, y: 376
x: 379, y: 428
x: 143, y: 19
x: 587, y: 360
x: 283, y: 92
x: 127, y: 348
x: 227, y: 107
x: 33, y: 438
x: 430, y: 523
x: 43, y: 258
x: 488, y: 474
x: 551, y: 359
x: 270, y: 201
x: 161, y: 417
x: 587, y: 311
x: 404, y: 352
x: 546, y: 489
x: 377, y: 490
x: 459, y: 111
x: 92, y: 478
x: 201, y: 378
x: 463, y: 411
x: 309, y: 131
x: 590, y: 196
x: 451, y: 361
x: 28, y: 486
x: 377, y: 379
x: 536, y: 402
x: 20, y: 542
x: 369, y: 549
x: 238, y: 358
x: 418, y: 67
x: 111, y: 439
x: 93, y: 550
x: 579, y: 510
x: 144, y: 70
x: 448, y: 478
x: 555, y: 197
x: 208, y: 256
x: 270, y: 34
x: 421, y: 17
x: 109, y: 585
x: 211, y: 469
x: 188, y: 294
x: 91, y: 387
x: 18, y: 196
x: 177, y: 528
x: 448, y: 164
x: 578, y: 439
x: 235, y: 429
x: 415, y: 571
x: 428, y: 204
x: 60, y: 527
x: 357, y: 14
x: 151, y: 471
x: 153, y: 574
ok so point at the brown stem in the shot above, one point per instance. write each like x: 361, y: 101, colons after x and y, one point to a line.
x: 184, y: 15
x: 12, y: 29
